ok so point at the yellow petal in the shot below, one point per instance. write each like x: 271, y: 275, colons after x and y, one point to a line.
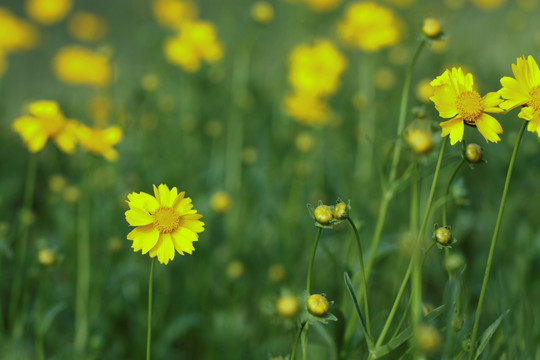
x: 454, y: 128
x: 489, y: 128
x: 185, y: 206
x: 444, y: 98
x: 142, y: 201
x: 144, y: 237
x: 138, y: 217
x: 526, y: 113
x: 193, y: 225
x: 164, y: 249
x: 44, y: 108
x: 183, y: 240
x: 491, y: 102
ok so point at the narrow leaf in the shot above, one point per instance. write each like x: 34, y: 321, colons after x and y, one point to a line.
x: 488, y: 333
x: 348, y: 283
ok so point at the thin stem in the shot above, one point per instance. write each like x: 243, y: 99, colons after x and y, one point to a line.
x: 414, y: 198
x: 447, y: 192
x: 494, y: 241
x: 149, y: 331
x: 363, y: 275
x: 293, y: 353
x: 312, y: 260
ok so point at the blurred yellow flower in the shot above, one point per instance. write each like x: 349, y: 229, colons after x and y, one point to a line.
x: 195, y: 41
x: 287, y: 306
x: 305, y: 142
x: 322, y: 5
x: 419, y: 141
x: 47, y: 12
x: 172, y: 13
x: 220, y: 202
x: 315, y: 69
x: 488, y: 4
x: 455, y: 98
x: 46, y: 121
x: 262, y: 12
x: 100, y: 141
x: 369, y: 26
x: 76, y: 65
x: 384, y: 78
x: 523, y: 90
x: 15, y: 34
x: 164, y: 223
x: 424, y: 90
x: 307, y: 109
x: 86, y: 26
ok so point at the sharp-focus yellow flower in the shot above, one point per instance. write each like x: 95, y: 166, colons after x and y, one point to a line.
x: 195, y: 41
x: 15, y: 34
x: 172, y: 13
x: 523, y: 90
x: 86, y: 26
x: 100, y: 141
x: 46, y: 121
x: 47, y: 12
x: 369, y: 26
x: 322, y: 5
x: 163, y: 223
x: 307, y: 109
x: 315, y: 69
x: 79, y: 66
x: 455, y: 98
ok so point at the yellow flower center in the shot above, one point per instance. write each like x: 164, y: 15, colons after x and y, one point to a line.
x: 534, y: 102
x: 469, y: 106
x: 166, y: 219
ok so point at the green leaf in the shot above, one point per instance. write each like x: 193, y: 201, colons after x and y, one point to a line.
x: 488, y: 333
x: 348, y: 283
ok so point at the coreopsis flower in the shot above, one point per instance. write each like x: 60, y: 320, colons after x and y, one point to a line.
x: 523, y: 90
x: 100, y: 141
x: 46, y: 121
x: 322, y: 5
x: 307, y: 109
x: 15, y: 34
x: 172, y: 13
x: 315, y: 69
x: 47, y: 12
x: 77, y: 65
x: 165, y: 223
x: 369, y: 26
x: 86, y: 26
x: 455, y: 98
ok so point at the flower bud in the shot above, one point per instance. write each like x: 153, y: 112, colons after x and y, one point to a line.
x: 323, y: 214
x: 419, y: 141
x: 443, y: 236
x: 46, y: 257
x: 340, y: 211
x: 220, y: 202
x: 287, y: 306
x: 432, y: 28
x: 428, y: 339
x: 318, y: 305
x: 473, y: 153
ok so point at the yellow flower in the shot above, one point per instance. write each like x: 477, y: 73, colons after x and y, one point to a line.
x: 523, y: 90
x: 221, y: 202
x: 262, y: 12
x: 419, y: 141
x: 15, y: 34
x: 424, y: 90
x: 307, y: 109
x: 172, y: 13
x: 455, y: 98
x: 164, y: 222
x: 100, y: 141
x: 79, y: 66
x: 316, y: 69
x: 369, y: 26
x: 47, y: 12
x: 322, y: 5
x: 488, y: 4
x: 86, y: 26
x: 287, y: 306
x: 46, y: 121
x: 195, y: 41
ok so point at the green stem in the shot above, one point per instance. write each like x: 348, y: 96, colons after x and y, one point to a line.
x: 293, y: 353
x: 312, y: 260
x: 363, y: 275
x: 447, y: 192
x: 149, y: 331
x: 414, y: 198
x: 494, y: 241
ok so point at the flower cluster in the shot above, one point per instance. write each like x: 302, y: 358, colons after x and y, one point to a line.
x: 76, y: 65
x: 46, y: 121
x: 369, y: 26
x: 327, y: 216
x: 314, y: 72
x: 15, y: 35
x: 195, y: 40
x: 456, y: 99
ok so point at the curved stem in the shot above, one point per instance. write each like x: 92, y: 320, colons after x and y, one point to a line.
x: 293, y: 353
x: 312, y: 260
x: 494, y: 241
x: 363, y: 275
x: 149, y: 332
x: 447, y: 192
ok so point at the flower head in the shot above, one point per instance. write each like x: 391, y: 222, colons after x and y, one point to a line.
x: 318, y: 305
x: 15, y: 34
x: 46, y: 121
x: 262, y: 12
x: 100, y: 141
x: 79, y: 66
x: 48, y: 12
x: 86, y: 26
x: 523, y: 90
x: 172, y: 13
x: 164, y: 223
x: 455, y: 98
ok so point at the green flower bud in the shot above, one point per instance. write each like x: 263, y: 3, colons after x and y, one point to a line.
x: 473, y: 153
